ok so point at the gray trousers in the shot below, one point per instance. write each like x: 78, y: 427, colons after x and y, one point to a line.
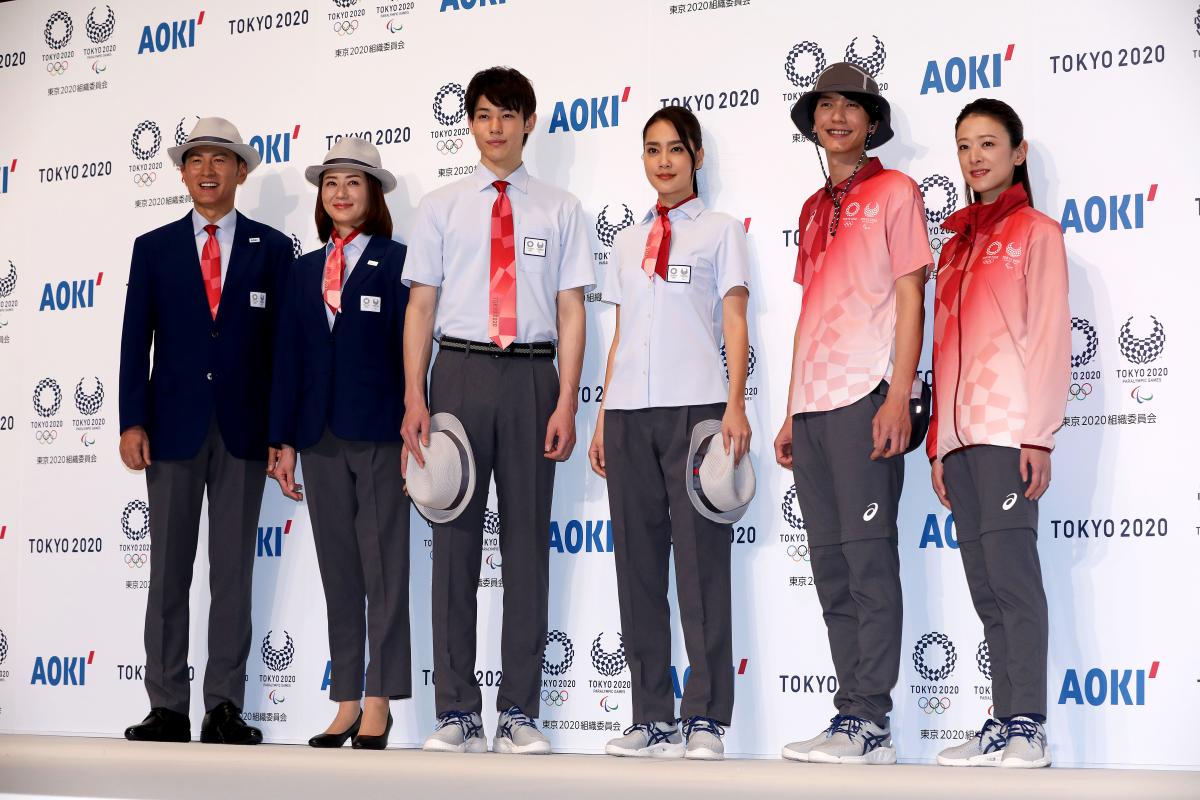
x: 176, y: 491
x: 1003, y: 571
x: 646, y: 461
x: 504, y: 405
x: 360, y: 528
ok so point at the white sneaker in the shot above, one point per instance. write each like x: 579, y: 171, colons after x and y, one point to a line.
x: 1027, y: 747
x: 798, y: 751
x: 703, y: 737
x: 855, y: 741
x: 457, y: 732
x: 984, y: 749
x: 648, y: 740
x: 517, y: 734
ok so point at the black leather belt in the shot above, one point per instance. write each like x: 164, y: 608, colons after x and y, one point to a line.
x: 514, y: 350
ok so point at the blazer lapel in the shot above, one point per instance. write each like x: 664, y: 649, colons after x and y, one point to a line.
x: 189, y: 273
x: 362, y: 269
x: 240, y: 256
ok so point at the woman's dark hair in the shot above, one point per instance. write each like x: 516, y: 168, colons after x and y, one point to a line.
x: 1003, y: 113
x: 378, y: 221
x: 504, y: 86
x: 686, y: 126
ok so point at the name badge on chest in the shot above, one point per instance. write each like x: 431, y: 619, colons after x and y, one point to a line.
x: 535, y: 247
x: 679, y: 273
x: 369, y: 303
x: 258, y: 299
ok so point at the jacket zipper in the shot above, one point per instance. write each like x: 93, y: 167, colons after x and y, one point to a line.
x: 958, y: 320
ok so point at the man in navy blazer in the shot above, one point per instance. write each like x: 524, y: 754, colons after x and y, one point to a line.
x: 203, y: 292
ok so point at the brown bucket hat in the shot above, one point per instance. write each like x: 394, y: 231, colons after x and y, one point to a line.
x: 848, y: 79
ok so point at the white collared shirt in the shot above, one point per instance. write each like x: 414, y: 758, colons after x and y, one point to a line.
x: 451, y: 249
x: 225, y: 228
x: 669, y: 353
x: 351, y: 252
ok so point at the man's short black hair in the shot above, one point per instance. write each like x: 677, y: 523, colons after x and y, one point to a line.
x: 503, y: 86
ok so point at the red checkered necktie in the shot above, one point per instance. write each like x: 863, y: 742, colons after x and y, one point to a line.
x: 210, y: 269
x: 658, y: 243
x: 502, y: 285
x: 335, y: 266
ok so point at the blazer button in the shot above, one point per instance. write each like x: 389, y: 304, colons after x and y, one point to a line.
x: 214, y: 334
x: 209, y: 376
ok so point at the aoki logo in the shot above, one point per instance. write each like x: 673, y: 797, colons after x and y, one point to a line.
x: 174, y: 35
x: 58, y: 31
x: 136, y: 511
x: 558, y: 666
x: 89, y: 404
x: 462, y: 5
x: 791, y: 511
x: 1091, y: 342
x: 587, y: 536
x: 936, y: 216
x: 100, y: 33
x: 983, y: 660
x: 281, y: 659
x: 5, y: 170
x: 66, y: 295
x: 61, y: 670
x: 457, y: 112
x: 974, y: 72
x: 872, y: 63
x: 935, y: 536
x: 43, y: 408
x: 949, y: 656
x: 606, y: 231
x: 275, y: 148
x: 608, y: 663
x: 142, y: 150
x: 270, y: 540
x: 1111, y: 212
x: 1142, y: 351
x: 1100, y: 687
x: 9, y: 281
x: 871, y: 511
x: 588, y: 113
x: 1009, y: 502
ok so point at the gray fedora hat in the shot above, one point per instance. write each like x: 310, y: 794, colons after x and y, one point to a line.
x: 216, y: 132
x: 848, y: 79
x: 352, y: 153
x: 718, y: 490
x: 442, y: 488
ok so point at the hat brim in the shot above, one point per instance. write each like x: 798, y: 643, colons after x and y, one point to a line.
x: 243, y: 151
x: 313, y: 174
x: 448, y: 422
x: 701, y: 431
x: 806, y: 106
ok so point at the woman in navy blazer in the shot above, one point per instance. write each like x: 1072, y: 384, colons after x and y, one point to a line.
x: 337, y: 398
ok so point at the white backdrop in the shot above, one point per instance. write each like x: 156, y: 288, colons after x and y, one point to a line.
x: 92, y: 99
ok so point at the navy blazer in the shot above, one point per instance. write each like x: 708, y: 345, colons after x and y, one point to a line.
x: 201, y: 366
x: 351, y: 378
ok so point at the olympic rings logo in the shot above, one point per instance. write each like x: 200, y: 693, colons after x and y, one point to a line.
x: 798, y: 552
x: 135, y: 560
x: 45, y: 436
x: 144, y: 179
x: 345, y: 27
x: 56, y: 67
x: 934, y: 705
x: 554, y: 697
x: 1080, y: 390
x: 449, y: 146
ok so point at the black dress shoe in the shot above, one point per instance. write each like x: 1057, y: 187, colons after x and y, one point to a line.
x: 336, y: 739
x: 374, y: 742
x: 224, y: 725
x: 161, y: 725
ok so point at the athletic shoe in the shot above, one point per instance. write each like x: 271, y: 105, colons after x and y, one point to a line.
x: 984, y: 749
x: 648, y: 740
x: 517, y: 733
x: 703, y: 737
x: 1027, y: 747
x: 798, y: 751
x: 457, y: 732
x: 855, y: 741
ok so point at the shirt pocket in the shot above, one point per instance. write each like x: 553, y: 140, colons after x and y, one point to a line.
x: 536, y: 249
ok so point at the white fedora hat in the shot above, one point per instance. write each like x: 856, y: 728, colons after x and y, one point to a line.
x: 719, y: 490
x: 216, y: 132
x: 353, y: 153
x: 443, y: 487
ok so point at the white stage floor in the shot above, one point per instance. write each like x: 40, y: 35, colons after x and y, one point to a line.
x: 55, y: 766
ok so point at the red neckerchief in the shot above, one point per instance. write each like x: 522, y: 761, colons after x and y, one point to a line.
x: 815, y: 237
x: 970, y: 221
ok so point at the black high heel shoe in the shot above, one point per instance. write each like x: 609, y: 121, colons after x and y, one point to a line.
x: 336, y: 739
x: 374, y: 742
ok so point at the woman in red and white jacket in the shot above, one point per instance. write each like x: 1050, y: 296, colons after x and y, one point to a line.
x: 1001, y: 357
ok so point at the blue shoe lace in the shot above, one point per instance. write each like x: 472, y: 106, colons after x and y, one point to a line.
x: 654, y: 734
x: 1027, y: 729
x: 701, y: 725
x: 465, y: 723
x: 853, y: 726
x: 834, y: 722
x: 996, y: 742
x: 513, y: 716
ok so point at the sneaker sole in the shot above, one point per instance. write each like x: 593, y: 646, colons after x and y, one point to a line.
x: 1020, y: 763
x: 476, y: 744
x: 506, y: 747
x: 795, y: 755
x: 704, y: 754
x: 981, y: 760
x: 878, y: 756
x: 654, y: 751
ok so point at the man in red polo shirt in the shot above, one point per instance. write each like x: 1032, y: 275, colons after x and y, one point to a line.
x: 862, y: 262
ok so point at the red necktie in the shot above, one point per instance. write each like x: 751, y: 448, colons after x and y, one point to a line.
x: 502, y: 288
x: 210, y: 269
x: 335, y: 265
x: 658, y: 243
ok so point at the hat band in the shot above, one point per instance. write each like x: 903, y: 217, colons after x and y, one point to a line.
x: 336, y: 161
x: 697, y: 460
x: 217, y: 139
x: 465, y: 466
